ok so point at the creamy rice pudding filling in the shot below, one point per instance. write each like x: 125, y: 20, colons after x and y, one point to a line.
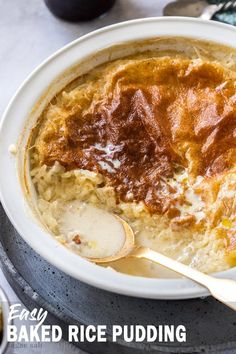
x: 151, y: 137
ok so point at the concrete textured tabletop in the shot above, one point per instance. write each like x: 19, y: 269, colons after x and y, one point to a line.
x: 29, y: 34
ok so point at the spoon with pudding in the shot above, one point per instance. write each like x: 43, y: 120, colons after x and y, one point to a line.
x: 223, y: 290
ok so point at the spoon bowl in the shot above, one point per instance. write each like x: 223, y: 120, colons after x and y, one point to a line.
x: 127, y: 248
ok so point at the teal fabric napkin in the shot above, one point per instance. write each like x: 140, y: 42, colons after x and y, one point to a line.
x: 226, y: 16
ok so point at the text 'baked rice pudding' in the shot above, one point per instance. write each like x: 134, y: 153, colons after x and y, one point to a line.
x: 151, y: 137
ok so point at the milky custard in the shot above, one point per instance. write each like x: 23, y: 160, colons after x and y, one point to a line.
x: 94, y: 232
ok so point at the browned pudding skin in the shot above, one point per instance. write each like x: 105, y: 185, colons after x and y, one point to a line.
x: 152, y: 120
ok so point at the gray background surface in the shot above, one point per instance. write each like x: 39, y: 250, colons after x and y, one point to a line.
x: 28, y: 35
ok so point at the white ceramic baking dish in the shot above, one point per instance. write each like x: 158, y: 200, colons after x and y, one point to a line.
x: 35, y: 92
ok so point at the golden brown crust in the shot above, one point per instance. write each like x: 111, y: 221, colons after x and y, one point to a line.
x: 152, y: 115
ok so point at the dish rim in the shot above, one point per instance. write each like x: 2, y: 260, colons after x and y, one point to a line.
x: 10, y: 188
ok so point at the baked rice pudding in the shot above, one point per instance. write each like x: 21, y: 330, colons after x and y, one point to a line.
x: 152, y: 138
